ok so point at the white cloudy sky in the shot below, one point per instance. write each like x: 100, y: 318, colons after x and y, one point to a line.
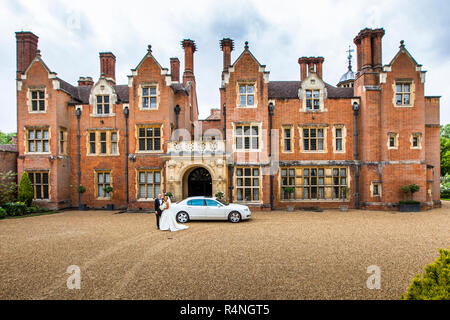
x: 71, y: 33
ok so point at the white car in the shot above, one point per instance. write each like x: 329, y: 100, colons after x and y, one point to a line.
x: 202, y: 208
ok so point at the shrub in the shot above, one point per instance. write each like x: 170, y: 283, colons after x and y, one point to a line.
x: 3, y: 213
x: 8, y: 187
x: 15, y: 208
x: 220, y: 196
x: 435, y: 284
x: 409, y: 190
x: 81, y: 189
x: 26, y: 192
x: 445, y: 186
x: 409, y: 202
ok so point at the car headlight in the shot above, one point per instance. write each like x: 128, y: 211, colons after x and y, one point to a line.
x: 246, y: 209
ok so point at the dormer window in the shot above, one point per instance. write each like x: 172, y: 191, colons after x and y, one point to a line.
x: 37, y: 100
x: 103, y: 104
x: 312, y: 99
x: 149, y: 98
x: 247, y: 95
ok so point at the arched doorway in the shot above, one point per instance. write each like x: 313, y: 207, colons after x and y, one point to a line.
x: 199, y: 183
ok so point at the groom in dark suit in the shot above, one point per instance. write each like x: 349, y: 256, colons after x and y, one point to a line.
x: 158, y: 203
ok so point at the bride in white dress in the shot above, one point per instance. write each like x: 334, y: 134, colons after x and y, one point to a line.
x: 168, y: 219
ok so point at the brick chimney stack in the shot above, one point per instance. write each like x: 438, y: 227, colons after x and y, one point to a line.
x: 85, y: 81
x: 227, y: 45
x: 189, y: 49
x: 175, y: 69
x: 108, y: 65
x: 368, y: 47
x: 26, y: 45
x: 310, y: 64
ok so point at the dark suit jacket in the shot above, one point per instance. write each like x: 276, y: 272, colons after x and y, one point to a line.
x: 157, y: 204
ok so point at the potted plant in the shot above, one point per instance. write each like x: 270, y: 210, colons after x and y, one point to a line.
x: 81, y: 190
x: 345, y: 190
x: 409, y: 205
x: 108, y: 190
x: 220, y: 196
x: 290, y: 192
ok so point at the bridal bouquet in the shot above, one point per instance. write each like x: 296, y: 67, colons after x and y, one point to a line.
x: 163, y: 207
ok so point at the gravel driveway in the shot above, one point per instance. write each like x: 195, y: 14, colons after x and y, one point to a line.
x: 275, y: 255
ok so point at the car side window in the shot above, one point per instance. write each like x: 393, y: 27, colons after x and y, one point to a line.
x: 196, y: 202
x: 212, y: 203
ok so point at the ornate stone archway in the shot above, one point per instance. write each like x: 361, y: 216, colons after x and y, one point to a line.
x: 179, y: 165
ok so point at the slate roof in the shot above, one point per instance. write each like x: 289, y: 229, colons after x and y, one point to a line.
x: 8, y: 147
x: 289, y: 90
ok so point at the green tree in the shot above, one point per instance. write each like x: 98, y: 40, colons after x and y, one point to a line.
x: 26, y: 192
x: 445, y: 131
x: 6, y: 138
x: 445, y: 155
x: 435, y: 284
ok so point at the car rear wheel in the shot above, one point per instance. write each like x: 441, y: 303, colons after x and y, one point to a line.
x: 234, y: 217
x: 182, y: 217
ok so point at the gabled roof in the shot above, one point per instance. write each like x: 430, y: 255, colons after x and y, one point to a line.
x: 246, y: 50
x: 404, y: 50
x: 147, y: 55
x: 289, y: 90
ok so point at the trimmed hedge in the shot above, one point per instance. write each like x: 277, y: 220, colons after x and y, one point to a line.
x: 435, y: 284
x: 15, y: 208
x: 26, y: 191
x: 3, y: 213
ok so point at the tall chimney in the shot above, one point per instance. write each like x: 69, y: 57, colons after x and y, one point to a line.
x: 189, y: 49
x: 368, y: 46
x: 175, y: 69
x: 310, y: 64
x: 26, y: 45
x: 108, y: 65
x: 303, y: 66
x: 227, y: 45
x: 319, y: 62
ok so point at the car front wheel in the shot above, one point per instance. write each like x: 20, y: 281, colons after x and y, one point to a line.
x: 182, y: 217
x: 234, y: 217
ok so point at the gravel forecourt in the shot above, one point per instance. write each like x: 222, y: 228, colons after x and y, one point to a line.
x: 275, y: 255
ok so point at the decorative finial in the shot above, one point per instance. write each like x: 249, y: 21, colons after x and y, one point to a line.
x: 246, y: 45
x: 38, y: 53
x: 402, y: 44
x: 149, y: 48
x: 350, y: 50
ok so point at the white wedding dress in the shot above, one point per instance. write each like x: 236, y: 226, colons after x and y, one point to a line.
x: 169, y: 221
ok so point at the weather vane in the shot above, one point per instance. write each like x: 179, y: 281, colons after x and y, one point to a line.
x: 350, y: 50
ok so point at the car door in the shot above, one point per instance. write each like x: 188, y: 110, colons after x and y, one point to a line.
x: 196, y: 208
x: 215, y: 210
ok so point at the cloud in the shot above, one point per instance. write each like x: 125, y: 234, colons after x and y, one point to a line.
x: 72, y: 33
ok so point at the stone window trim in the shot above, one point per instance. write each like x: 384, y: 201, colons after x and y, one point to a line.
x: 313, y: 126
x: 148, y: 85
x: 343, y: 138
x: 97, y: 133
x: 392, y: 136
x: 161, y: 137
x: 376, y: 186
x: 328, y: 185
x: 30, y: 91
x: 252, y: 186
x: 26, y: 141
x: 147, y: 171
x: 283, y: 138
x: 63, y: 138
x: 251, y: 124
x: 98, y: 172
x: 412, y: 92
x: 246, y: 83
x: 35, y: 172
x: 418, y: 136
x: 312, y: 83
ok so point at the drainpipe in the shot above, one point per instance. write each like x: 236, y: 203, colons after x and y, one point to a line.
x: 224, y: 122
x: 355, y: 108
x: 177, y: 110
x: 126, y: 113
x: 271, y: 108
x: 78, y: 114
x: 230, y: 183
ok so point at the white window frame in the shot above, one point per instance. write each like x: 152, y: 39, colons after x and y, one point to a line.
x: 246, y: 94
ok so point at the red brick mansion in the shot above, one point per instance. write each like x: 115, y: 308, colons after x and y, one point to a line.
x: 271, y: 144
